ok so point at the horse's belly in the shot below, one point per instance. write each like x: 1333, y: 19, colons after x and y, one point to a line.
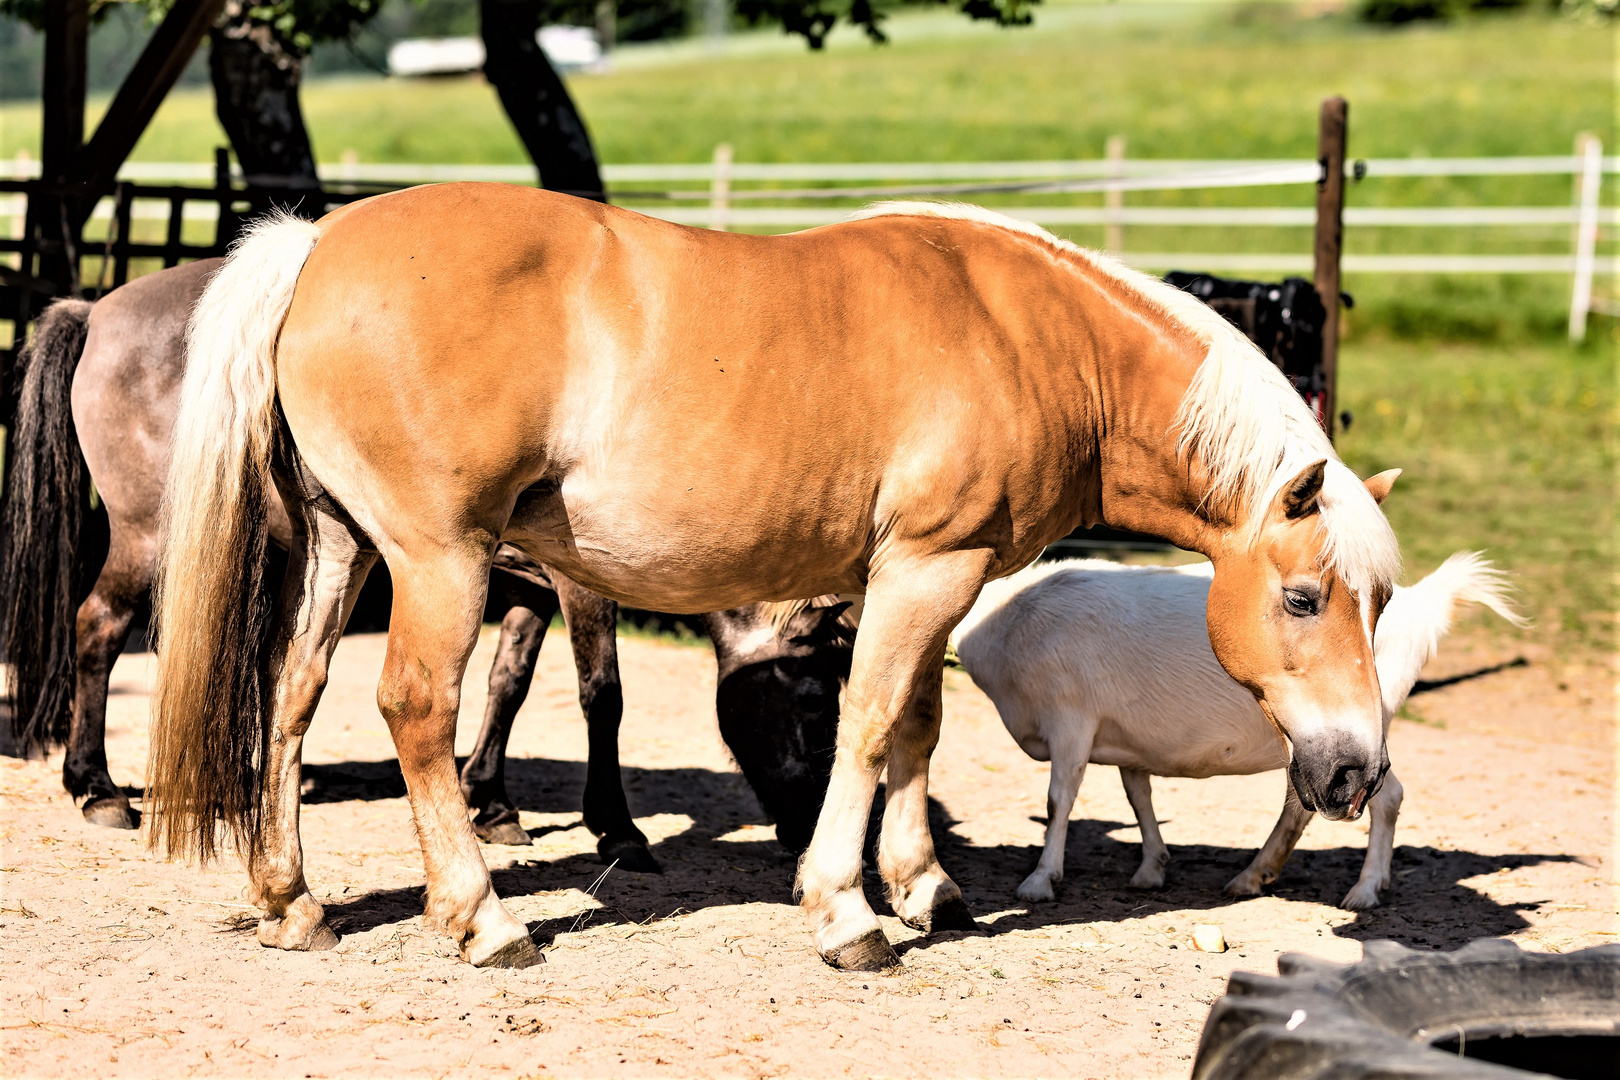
x: 676, y: 559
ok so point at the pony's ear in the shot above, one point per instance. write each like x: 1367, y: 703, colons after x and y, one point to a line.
x: 1379, y: 485
x: 1298, y: 497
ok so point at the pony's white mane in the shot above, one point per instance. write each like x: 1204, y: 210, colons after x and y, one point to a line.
x: 1240, y: 418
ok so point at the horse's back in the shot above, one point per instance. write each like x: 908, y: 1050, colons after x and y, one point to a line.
x: 636, y: 382
x: 126, y: 390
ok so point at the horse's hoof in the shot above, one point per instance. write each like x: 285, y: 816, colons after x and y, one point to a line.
x: 869, y: 952
x: 112, y: 812
x: 505, y: 832
x: 1145, y: 880
x: 272, y: 935
x: 629, y: 855
x: 518, y: 953
x: 953, y: 914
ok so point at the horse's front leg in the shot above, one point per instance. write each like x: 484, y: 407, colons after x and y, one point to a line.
x: 592, y: 630
x: 438, y: 602
x: 483, y: 777
x: 1268, y: 861
x: 1375, y: 876
x: 892, y: 705
x: 316, y: 598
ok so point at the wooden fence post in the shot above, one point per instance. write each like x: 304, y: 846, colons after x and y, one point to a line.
x: 1330, y: 149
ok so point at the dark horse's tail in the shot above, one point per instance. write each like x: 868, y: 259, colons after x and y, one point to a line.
x: 47, y: 491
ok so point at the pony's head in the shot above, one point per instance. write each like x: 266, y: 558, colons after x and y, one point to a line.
x: 1293, y: 623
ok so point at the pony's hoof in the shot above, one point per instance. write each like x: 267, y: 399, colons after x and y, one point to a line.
x: 112, y: 812
x: 869, y: 952
x: 1145, y: 879
x: 505, y: 832
x: 518, y: 953
x: 953, y: 914
x: 1245, y: 884
x: 1036, y: 891
x: 629, y: 854
x: 1361, y: 898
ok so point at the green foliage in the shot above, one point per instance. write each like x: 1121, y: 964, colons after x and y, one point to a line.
x: 1395, y: 12
x: 32, y: 12
x: 815, y: 19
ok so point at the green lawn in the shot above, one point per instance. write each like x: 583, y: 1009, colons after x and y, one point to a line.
x: 1179, y: 80
x: 1505, y: 433
x: 1507, y: 449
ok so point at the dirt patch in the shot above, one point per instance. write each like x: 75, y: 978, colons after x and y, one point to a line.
x: 113, y: 963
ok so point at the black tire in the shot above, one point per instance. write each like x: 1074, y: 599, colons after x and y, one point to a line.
x: 1400, y: 1013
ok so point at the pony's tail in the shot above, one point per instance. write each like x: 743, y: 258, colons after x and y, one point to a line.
x: 210, y: 601
x: 39, y: 538
x: 1417, y: 617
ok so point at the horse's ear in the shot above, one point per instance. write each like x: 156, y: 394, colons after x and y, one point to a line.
x: 1298, y: 497
x: 1379, y: 485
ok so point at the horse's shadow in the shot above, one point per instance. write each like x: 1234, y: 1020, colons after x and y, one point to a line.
x: 1428, y: 906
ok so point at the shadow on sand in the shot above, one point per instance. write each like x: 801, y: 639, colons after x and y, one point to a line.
x: 1429, y: 907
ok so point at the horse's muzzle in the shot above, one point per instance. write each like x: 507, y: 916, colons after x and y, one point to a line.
x: 1337, y: 780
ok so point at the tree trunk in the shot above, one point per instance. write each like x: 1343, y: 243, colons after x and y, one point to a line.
x: 256, y: 72
x: 536, y: 100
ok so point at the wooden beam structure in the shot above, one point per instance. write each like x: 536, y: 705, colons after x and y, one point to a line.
x: 156, y: 71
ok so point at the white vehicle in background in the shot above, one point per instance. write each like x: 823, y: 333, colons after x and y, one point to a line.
x: 569, y: 48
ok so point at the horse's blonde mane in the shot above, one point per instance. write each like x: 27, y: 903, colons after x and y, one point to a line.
x: 1240, y: 419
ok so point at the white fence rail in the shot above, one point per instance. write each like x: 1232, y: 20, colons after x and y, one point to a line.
x: 714, y: 203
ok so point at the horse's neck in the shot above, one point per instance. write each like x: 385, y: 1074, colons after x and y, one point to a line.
x: 1145, y: 486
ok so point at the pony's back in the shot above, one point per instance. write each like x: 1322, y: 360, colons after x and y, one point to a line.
x: 1091, y: 638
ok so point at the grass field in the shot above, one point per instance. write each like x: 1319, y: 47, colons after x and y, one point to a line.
x: 1505, y: 433
x: 1507, y: 449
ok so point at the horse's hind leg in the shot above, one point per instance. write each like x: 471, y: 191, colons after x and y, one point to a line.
x: 1375, y: 876
x: 1155, y: 855
x: 483, y: 777
x: 592, y: 629
x: 438, y: 602
x: 325, y: 570
x: 1268, y: 861
x: 102, y: 626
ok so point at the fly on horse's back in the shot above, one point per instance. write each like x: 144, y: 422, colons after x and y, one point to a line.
x: 908, y: 404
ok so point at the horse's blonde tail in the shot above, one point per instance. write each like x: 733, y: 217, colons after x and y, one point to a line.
x: 1419, y: 616
x: 210, y: 601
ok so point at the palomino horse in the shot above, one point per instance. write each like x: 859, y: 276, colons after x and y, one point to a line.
x: 121, y: 361
x: 908, y: 404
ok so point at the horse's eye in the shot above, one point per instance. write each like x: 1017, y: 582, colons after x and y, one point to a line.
x: 1299, y: 603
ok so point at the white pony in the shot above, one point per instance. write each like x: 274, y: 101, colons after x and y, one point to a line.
x: 1089, y: 660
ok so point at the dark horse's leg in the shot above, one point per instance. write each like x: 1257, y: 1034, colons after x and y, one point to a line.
x: 483, y: 777
x: 592, y: 630
x: 103, y: 624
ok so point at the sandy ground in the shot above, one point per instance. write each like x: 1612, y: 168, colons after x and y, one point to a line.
x: 113, y: 963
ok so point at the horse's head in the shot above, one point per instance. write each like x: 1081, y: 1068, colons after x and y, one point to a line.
x: 1291, y: 623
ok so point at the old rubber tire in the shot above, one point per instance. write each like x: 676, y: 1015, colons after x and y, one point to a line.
x: 1383, y: 1018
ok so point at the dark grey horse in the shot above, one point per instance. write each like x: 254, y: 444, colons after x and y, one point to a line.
x: 99, y: 396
